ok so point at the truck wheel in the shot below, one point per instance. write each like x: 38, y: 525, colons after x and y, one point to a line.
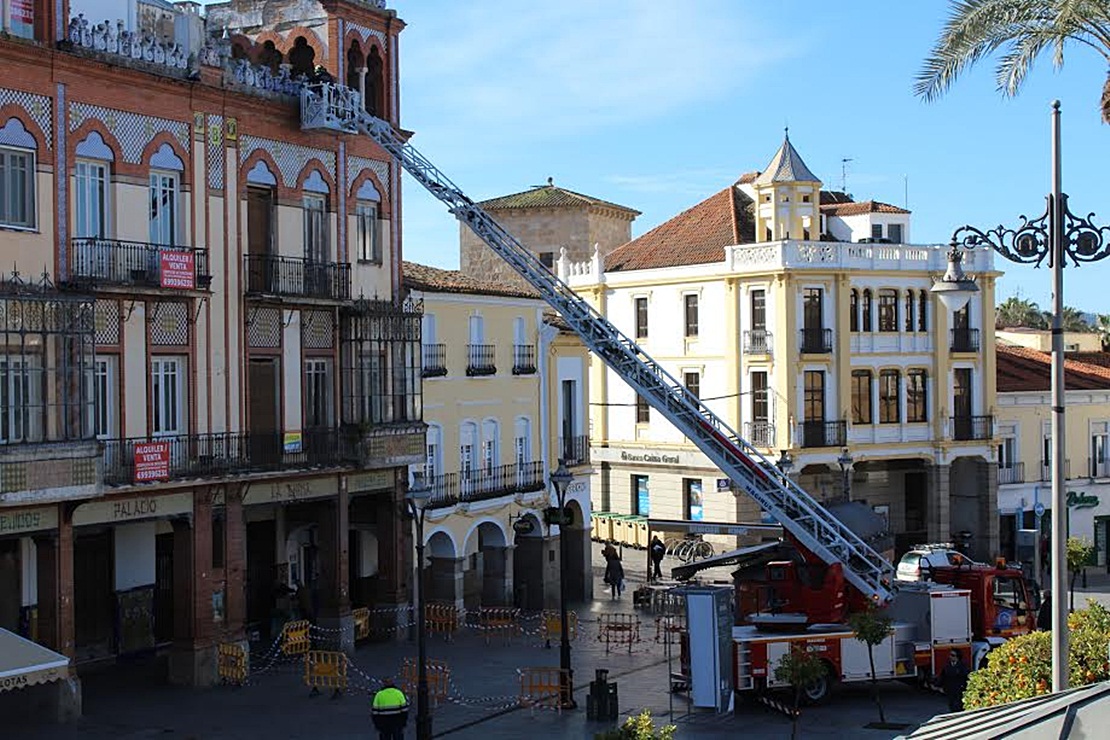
x: 818, y: 691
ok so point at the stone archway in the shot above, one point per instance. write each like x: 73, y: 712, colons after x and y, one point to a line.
x: 579, y: 570
x: 528, y: 564
x: 487, y: 574
x: 442, y: 575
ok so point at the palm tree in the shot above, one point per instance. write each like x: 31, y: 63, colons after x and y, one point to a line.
x: 1072, y: 319
x: 1016, y: 311
x: 1103, y: 329
x: 1021, y: 29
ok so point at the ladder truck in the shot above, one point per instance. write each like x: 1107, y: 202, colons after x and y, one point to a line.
x: 336, y: 108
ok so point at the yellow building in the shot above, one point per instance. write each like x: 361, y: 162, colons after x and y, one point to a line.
x: 504, y: 398
x: 1041, y: 339
x: 805, y: 320
x: 1025, y: 444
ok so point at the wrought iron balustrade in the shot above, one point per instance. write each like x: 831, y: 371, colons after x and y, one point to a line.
x: 297, y: 277
x: 97, y: 262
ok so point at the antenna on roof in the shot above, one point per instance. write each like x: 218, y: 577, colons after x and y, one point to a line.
x: 844, y: 174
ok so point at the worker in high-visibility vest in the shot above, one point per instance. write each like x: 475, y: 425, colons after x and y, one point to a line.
x: 390, y: 711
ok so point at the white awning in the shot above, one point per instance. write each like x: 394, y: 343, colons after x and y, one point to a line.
x: 24, y: 663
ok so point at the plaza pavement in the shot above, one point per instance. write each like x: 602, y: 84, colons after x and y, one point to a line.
x: 133, y: 701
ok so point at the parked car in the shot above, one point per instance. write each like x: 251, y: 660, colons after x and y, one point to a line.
x: 929, y: 556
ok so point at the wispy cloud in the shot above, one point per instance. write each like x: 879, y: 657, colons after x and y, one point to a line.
x: 559, y: 69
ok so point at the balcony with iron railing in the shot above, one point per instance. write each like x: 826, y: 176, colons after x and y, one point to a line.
x: 434, y: 360
x: 481, y: 485
x: 297, y: 277
x: 1012, y: 473
x: 1046, y: 470
x: 824, y: 433
x: 147, y: 459
x: 480, y: 359
x: 760, y: 433
x: 524, y: 359
x: 758, y: 342
x: 97, y: 263
x: 1099, y: 468
x: 816, y: 341
x: 972, y: 428
x: 964, y: 340
x: 574, y: 450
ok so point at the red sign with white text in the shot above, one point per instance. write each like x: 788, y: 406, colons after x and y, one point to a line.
x: 152, y: 461
x: 178, y: 269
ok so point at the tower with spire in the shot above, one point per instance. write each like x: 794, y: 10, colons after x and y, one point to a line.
x: 787, y: 196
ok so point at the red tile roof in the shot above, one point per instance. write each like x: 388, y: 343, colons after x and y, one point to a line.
x: 1021, y: 369
x: 748, y: 177
x: 696, y: 236
x: 855, y: 209
x: 436, y: 280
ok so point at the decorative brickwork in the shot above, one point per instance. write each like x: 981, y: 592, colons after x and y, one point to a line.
x: 133, y: 131
x: 169, y: 324
x: 264, y: 329
x: 106, y: 318
x: 290, y: 158
x: 317, y: 330
x: 357, y: 165
x: 215, y: 159
x: 38, y: 107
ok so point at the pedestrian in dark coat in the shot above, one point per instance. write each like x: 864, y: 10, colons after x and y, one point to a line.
x: 658, y: 550
x: 1044, y: 614
x: 953, y: 680
x: 614, y: 575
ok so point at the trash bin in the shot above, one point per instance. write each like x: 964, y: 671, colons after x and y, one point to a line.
x: 597, y: 519
x: 601, y: 702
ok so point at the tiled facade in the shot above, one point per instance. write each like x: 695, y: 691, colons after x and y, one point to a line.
x: 210, y: 373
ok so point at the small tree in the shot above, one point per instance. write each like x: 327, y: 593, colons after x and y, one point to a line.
x: 871, y: 628
x: 638, y: 727
x: 1022, y: 668
x: 799, y: 668
x: 1079, y: 551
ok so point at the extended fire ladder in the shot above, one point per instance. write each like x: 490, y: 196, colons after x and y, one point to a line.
x: 333, y: 107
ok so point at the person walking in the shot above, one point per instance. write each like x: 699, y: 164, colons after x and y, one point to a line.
x: 614, y: 575
x: 953, y: 680
x: 390, y: 711
x: 658, y: 550
x: 1044, y: 614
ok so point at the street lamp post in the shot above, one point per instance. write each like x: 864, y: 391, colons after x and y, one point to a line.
x: 417, y: 498
x: 1057, y: 235
x: 845, y: 462
x: 561, y: 479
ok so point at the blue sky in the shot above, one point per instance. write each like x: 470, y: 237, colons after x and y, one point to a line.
x: 657, y: 105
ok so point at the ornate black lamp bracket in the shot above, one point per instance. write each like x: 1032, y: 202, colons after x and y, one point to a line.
x: 1030, y: 243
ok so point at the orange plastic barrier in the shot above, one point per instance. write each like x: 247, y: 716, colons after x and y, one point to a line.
x: 439, y: 678
x: 441, y: 619
x: 498, y: 620
x: 551, y: 625
x: 295, y: 639
x: 543, y: 687
x: 231, y: 663
x: 325, y: 669
x: 618, y: 629
x: 362, y: 622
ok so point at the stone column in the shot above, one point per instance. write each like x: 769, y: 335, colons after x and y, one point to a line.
x: 235, y: 565
x: 989, y: 513
x: 939, y: 503
x: 362, y: 83
x: 335, y: 602
x: 55, y: 612
x: 395, y: 550
x: 193, y: 656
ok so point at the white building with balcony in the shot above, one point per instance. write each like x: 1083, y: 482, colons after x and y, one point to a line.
x: 828, y: 353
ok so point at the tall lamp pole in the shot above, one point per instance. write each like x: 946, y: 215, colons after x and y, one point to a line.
x: 561, y: 479
x: 845, y: 462
x: 417, y: 498
x: 1057, y: 236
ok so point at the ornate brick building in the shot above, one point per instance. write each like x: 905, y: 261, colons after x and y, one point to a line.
x: 209, y: 378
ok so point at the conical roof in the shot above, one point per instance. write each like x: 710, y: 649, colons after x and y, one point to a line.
x: 786, y: 166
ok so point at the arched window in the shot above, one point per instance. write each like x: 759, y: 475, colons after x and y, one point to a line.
x: 491, y: 452
x: 853, y: 310
x: 239, y: 51
x: 923, y: 312
x: 367, y: 218
x: 866, y: 321
x: 468, y: 468
x: 522, y: 441
x: 433, y: 458
x: 888, y: 310
x: 92, y: 178
x: 374, y: 94
x: 269, y: 56
x: 17, y: 175
x: 165, y: 189
x: 910, y: 310
x: 356, y: 60
x: 302, y: 57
